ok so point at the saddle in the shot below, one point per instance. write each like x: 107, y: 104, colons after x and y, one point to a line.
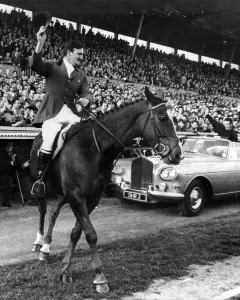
x: 66, y: 132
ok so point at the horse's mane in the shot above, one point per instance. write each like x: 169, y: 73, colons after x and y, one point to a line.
x: 100, y: 115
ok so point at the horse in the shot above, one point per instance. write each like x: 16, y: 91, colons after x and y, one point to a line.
x: 83, y: 168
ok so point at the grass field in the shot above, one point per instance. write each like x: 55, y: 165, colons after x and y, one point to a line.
x: 129, y: 265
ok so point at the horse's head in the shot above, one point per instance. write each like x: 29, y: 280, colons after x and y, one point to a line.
x: 156, y: 127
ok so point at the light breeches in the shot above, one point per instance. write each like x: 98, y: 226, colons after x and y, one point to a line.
x: 52, y: 126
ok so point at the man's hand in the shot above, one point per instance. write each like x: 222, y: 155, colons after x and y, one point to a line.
x: 13, y: 158
x: 26, y: 164
x: 84, y: 101
x: 18, y: 124
x: 41, y: 35
x: 26, y: 113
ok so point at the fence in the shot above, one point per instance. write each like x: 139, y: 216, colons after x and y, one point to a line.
x: 18, y: 133
x: 12, y: 68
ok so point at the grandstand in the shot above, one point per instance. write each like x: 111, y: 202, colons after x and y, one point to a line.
x: 189, y: 50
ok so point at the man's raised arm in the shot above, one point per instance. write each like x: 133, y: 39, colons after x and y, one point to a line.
x: 40, y: 67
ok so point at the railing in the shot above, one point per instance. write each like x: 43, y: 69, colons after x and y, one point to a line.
x: 18, y: 133
x: 29, y: 133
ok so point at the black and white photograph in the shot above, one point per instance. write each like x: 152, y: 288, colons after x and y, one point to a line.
x: 120, y: 150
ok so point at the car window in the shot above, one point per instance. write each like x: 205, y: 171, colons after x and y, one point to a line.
x: 237, y: 146
x: 188, y: 145
x: 208, y: 147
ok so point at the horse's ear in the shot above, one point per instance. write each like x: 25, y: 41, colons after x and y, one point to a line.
x: 148, y: 94
x: 160, y: 94
x: 154, y: 99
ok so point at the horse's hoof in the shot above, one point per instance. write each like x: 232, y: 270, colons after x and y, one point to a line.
x: 100, y: 279
x: 66, y: 278
x: 43, y: 256
x: 36, y: 247
x: 102, y: 288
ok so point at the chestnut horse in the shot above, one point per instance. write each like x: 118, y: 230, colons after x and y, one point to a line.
x: 83, y: 168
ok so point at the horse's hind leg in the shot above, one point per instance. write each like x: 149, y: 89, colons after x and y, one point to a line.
x: 42, y: 208
x: 45, y: 249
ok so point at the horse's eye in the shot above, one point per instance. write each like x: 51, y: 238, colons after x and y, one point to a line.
x: 163, y: 118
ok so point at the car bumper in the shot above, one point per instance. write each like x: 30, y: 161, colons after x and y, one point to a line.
x: 152, y: 196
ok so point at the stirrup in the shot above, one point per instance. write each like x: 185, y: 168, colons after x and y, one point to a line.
x: 38, y: 188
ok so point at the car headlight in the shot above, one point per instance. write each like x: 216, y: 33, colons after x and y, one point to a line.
x: 168, y: 173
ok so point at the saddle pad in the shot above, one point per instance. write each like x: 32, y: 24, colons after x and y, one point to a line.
x: 60, y: 140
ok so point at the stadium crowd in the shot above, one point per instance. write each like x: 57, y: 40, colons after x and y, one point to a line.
x: 193, y: 90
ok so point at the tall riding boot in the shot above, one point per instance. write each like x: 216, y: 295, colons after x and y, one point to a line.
x: 38, y: 188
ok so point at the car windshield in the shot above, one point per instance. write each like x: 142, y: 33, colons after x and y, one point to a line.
x: 206, y: 146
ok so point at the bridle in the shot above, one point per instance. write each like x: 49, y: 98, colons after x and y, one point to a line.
x: 163, y: 149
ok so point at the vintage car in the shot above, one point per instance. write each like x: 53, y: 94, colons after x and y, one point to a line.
x: 210, y: 169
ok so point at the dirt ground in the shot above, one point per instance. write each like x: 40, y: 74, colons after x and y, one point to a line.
x: 202, y: 283
x: 112, y: 222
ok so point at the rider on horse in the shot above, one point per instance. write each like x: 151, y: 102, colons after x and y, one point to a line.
x: 63, y: 82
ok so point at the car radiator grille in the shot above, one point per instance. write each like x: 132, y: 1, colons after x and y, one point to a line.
x: 142, y: 173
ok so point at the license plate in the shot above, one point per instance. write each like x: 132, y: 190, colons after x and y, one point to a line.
x: 135, y: 196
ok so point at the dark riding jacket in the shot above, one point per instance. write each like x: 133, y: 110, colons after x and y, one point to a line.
x: 60, y: 89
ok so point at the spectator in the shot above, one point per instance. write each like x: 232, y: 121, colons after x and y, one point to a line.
x: 16, y: 105
x: 205, y: 128
x: 7, y: 59
x: 16, y: 58
x: 224, y: 130
x: 181, y: 125
x: 108, y: 59
x: 9, y: 164
x: 194, y: 127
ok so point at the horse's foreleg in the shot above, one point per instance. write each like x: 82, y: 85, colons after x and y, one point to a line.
x: 42, y: 208
x: 45, y: 249
x: 81, y: 212
x: 74, y: 238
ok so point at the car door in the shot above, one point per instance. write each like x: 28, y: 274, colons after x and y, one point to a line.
x: 235, y: 161
x: 221, y: 177
x: 221, y: 173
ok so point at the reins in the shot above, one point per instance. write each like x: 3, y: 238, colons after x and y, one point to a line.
x: 156, y: 132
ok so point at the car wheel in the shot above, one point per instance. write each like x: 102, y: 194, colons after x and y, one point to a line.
x: 194, y: 200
